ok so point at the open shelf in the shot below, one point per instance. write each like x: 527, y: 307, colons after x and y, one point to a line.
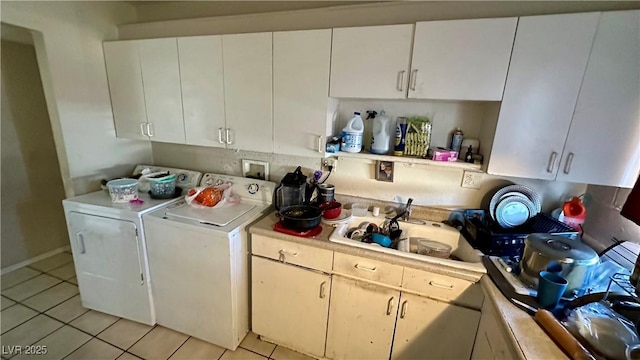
x: 406, y: 159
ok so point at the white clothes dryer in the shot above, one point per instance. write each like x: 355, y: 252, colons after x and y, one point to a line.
x: 108, y: 243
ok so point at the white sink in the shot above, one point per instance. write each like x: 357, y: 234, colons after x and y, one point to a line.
x: 464, y: 256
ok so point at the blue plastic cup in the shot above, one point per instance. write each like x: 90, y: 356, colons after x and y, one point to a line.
x: 551, y: 286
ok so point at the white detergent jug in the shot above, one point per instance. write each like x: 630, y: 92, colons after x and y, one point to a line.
x: 381, y: 134
x: 352, y: 134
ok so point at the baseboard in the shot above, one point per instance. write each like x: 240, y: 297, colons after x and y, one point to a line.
x: 13, y: 267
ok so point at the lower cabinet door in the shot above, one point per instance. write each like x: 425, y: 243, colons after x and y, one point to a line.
x: 361, y: 320
x: 429, y: 329
x: 290, y: 305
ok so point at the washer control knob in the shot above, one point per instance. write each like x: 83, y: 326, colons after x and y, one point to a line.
x: 219, y: 182
x: 253, y: 188
x: 209, y: 181
x: 182, y: 177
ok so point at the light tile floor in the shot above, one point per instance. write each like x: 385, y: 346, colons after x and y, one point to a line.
x: 41, y: 307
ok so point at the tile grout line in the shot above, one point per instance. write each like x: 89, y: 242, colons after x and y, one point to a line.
x: 181, y: 345
x: 41, y: 291
x: 21, y: 282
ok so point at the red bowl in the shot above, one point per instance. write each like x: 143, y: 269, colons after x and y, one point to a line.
x: 331, y: 210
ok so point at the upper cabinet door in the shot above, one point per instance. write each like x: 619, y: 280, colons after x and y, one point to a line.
x: 161, y: 79
x: 550, y: 54
x: 371, y: 62
x: 608, y: 109
x: 202, y: 80
x: 248, y: 91
x: 125, y: 86
x: 301, y: 61
x: 461, y: 59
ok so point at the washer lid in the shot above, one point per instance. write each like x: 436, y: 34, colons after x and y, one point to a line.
x: 219, y: 216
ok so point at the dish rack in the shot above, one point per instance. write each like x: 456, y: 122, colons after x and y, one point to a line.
x: 622, y: 280
x: 487, y: 236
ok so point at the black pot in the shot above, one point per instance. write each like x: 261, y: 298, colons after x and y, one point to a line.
x: 300, y: 217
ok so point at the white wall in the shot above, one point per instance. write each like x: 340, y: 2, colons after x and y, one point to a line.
x: 68, y: 39
x: 32, y: 191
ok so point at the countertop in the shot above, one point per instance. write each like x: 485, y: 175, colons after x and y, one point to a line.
x: 265, y: 227
x: 526, y: 336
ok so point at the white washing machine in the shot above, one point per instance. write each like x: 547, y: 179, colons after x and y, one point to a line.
x: 199, y: 261
x: 109, y: 248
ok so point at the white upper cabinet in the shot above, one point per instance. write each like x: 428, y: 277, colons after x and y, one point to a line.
x: 607, y: 114
x: 248, y: 88
x: 549, y: 58
x: 461, y: 59
x: 144, y: 82
x: 125, y: 84
x: 202, y: 80
x: 161, y: 81
x: 301, y: 117
x: 371, y: 62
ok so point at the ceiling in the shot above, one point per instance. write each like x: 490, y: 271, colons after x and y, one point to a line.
x: 172, y: 10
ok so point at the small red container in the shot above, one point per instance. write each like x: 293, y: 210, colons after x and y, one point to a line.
x: 331, y: 210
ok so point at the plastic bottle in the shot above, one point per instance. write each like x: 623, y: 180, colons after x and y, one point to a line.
x: 456, y: 140
x: 352, y: 134
x: 573, y: 213
x: 401, y: 133
x: 469, y: 156
x: 380, y: 135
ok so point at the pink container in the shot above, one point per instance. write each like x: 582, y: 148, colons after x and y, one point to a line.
x: 442, y: 154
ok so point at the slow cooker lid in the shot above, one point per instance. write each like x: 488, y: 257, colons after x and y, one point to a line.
x: 562, y: 249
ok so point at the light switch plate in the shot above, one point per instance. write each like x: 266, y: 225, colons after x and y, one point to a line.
x: 472, y: 179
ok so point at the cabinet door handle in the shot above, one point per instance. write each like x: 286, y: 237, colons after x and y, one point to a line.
x: 142, y: 128
x: 322, y: 289
x: 400, y: 81
x: 150, y: 130
x: 567, y: 165
x: 552, y: 161
x: 365, y: 268
x: 441, y: 286
x: 413, y: 79
x: 320, y: 144
x: 220, y: 135
x: 80, y: 242
x: 228, y: 136
x: 389, y: 305
x: 282, y: 257
x: 403, y: 311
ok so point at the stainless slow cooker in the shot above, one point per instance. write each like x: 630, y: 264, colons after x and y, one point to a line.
x: 576, y: 258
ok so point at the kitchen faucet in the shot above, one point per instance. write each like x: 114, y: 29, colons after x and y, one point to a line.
x: 407, y: 210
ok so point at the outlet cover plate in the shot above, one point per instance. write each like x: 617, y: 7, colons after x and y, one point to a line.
x: 472, y: 179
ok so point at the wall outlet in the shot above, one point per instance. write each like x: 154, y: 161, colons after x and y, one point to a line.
x: 329, y: 162
x: 472, y: 179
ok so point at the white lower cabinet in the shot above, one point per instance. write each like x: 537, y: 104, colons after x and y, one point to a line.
x: 361, y: 320
x: 490, y: 339
x: 290, y: 305
x: 429, y: 329
x: 364, y: 309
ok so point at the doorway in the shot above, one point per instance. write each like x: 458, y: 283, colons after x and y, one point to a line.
x: 33, y: 224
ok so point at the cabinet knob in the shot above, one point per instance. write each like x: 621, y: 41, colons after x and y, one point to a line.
x: 220, y: 135
x: 413, y: 78
x: 142, y: 129
x: 322, y: 295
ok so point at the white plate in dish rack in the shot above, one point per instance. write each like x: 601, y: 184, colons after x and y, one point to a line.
x: 511, y: 212
x: 525, y: 191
